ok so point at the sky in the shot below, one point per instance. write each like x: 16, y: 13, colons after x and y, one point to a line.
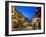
x: 27, y: 11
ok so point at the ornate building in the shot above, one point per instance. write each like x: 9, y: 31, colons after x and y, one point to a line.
x: 36, y: 20
x: 18, y: 19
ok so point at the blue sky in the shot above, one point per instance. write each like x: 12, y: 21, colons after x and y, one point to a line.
x: 27, y: 11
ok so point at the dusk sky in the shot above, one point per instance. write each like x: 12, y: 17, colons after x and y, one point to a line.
x: 27, y: 11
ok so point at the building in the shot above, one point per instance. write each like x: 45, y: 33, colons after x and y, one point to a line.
x: 18, y: 19
x: 36, y: 20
